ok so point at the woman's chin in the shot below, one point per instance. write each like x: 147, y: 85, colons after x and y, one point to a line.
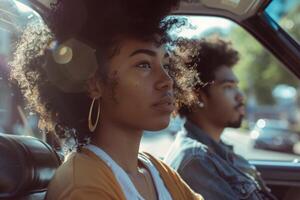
x: 159, y: 125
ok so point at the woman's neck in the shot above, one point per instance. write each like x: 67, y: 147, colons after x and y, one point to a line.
x: 121, y: 144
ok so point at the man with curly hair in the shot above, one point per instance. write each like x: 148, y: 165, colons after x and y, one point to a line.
x: 209, y: 104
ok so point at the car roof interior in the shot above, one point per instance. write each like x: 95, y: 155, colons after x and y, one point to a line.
x: 233, y: 9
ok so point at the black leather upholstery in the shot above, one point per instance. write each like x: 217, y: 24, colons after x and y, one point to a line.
x: 27, y: 165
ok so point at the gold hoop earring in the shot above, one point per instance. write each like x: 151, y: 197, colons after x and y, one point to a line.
x: 92, y: 127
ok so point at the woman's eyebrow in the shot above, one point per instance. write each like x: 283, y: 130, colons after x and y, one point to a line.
x: 143, y: 51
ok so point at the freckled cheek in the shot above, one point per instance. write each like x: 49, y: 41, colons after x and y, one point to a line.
x: 136, y: 85
x: 134, y: 92
x: 140, y: 91
x: 132, y: 85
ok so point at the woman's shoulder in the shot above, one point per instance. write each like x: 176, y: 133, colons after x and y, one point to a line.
x: 82, y: 170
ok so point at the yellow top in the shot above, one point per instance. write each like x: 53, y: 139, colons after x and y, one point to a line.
x: 85, y: 176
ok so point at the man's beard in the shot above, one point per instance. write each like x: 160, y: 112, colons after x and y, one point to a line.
x: 235, y: 124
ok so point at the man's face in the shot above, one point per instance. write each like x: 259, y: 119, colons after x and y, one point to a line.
x: 225, y: 102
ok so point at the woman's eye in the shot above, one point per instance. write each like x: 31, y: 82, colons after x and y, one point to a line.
x: 144, y: 65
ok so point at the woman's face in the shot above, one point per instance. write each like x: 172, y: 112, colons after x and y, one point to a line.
x: 138, y: 92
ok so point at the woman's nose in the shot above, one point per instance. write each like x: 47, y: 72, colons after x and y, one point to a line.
x: 165, y: 80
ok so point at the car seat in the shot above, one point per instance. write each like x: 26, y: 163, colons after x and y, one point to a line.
x: 27, y: 164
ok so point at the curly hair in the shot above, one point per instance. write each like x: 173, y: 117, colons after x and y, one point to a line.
x: 66, y: 113
x: 199, y: 59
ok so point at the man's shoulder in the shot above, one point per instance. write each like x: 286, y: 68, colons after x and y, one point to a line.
x: 193, y: 147
x: 185, y: 149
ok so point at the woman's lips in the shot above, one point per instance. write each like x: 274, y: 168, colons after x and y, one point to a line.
x: 166, y: 104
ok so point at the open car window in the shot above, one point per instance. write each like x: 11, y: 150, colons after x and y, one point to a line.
x: 271, y: 92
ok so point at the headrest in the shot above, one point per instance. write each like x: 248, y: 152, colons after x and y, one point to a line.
x: 27, y: 165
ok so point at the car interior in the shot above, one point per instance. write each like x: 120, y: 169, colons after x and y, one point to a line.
x: 27, y: 164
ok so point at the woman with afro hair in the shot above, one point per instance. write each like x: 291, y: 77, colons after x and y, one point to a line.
x: 105, y: 102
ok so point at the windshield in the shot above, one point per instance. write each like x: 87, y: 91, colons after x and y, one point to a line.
x: 287, y: 14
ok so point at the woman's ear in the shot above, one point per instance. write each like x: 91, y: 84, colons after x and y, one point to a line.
x: 94, y: 87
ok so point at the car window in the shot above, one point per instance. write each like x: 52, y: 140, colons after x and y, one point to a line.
x: 271, y: 91
x: 286, y: 13
x: 14, y: 118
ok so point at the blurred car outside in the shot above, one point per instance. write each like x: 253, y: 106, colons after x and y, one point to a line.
x: 275, y: 135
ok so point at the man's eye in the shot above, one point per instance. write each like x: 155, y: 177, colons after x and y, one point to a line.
x: 144, y: 65
x: 230, y: 86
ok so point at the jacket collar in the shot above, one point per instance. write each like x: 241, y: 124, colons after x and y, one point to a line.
x: 196, y: 133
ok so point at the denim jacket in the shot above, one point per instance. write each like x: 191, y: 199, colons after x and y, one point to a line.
x: 213, y: 169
